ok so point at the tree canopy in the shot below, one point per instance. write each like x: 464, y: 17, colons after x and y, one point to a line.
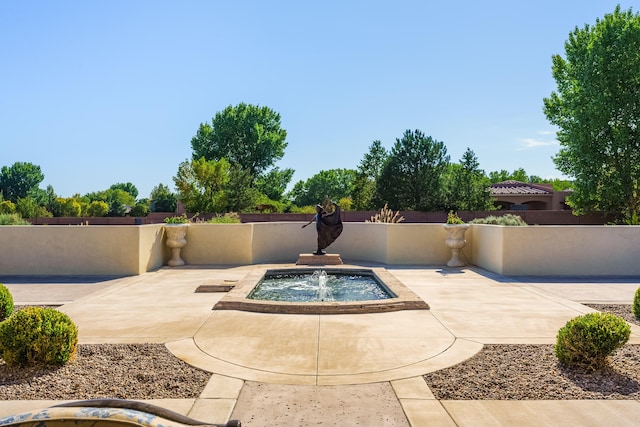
x: 163, y: 199
x: 411, y: 178
x: 20, y: 180
x: 333, y: 183
x: 468, y: 186
x: 245, y: 135
x: 597, y: 109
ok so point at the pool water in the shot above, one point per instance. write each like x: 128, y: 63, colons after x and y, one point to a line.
x: 320, y: 286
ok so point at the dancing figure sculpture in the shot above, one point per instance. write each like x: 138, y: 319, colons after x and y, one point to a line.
x: 328, y: 226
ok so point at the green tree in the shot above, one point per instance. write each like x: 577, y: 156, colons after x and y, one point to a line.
x: 239, y: 194
x: 246, y: 135
x: 28, y: 207
x: 411, y: 179
x: 97, y: 208
x: 20, y: 180
x: 68, y: 207
x: 597, y: 110
x: 117, y: 199
x: 201, y: 185
x: 163, y: 199
x: 273, y: 184
x: 140, y: 209
x: 334, y: 183
x: 468, y: 187
x: 128, y: 187
x: 504, y: 175
x: 364, y: 185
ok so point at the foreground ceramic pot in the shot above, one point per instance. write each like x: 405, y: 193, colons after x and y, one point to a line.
x: 176, y: 240
x: 455, y: 241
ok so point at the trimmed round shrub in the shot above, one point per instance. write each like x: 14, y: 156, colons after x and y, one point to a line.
x: 587, y: 341
x: 6, y: 302
x: 636, y: 304
x: 37, y: 336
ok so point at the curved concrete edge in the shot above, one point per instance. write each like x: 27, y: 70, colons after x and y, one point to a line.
x: 458, y: 352
x: 188, y: 351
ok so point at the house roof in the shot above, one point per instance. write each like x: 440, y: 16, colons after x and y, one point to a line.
x: 517, y: 187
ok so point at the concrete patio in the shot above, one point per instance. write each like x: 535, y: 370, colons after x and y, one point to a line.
x: 371, y: 363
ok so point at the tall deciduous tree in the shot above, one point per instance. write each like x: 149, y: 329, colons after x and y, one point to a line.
x: 411, y: 179
x: 20, y: 180
x: 201, y: 184
x: 597, y: 109
x: 246, y: 135
x: 333, y: 183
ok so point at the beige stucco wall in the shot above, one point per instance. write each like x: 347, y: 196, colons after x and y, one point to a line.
x: 485, y: 247
x: 557, y: 250
x: 217, y: 244
x: 72, y: 250
x: 574, y: 250
x: 131, y: 250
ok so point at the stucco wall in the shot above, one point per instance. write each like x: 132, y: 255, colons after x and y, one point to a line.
x: 217, y: 244
x: 581, y: 250
x: 131, y: 250
x: 73, y: 250
x: 557, y: 250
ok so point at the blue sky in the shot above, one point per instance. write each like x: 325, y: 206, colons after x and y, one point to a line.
x: 102, y: 92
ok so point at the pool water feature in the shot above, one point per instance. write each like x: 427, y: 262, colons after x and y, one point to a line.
x: 320, y: 286
x: 320, y: 296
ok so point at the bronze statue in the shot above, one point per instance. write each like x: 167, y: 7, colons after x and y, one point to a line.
x: 328, y: 226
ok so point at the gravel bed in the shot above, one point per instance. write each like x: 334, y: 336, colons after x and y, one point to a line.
x: 120, y: 371
x: 498, y: 372
x: 532, y: 372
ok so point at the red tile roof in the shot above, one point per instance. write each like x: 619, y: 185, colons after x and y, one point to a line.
x: 517, y: 187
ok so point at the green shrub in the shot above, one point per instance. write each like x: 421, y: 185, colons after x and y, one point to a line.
x: 228, y: 218
x: 13, y: 219
x: 508, y: 219
x: 7, y: 207
x: 586, y: 341
x: 6, y: 302
x: 636, y: 304
x: 38, y: 336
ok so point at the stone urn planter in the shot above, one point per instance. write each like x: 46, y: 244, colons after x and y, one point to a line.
x: 455, y: 241
x: 176, y: 240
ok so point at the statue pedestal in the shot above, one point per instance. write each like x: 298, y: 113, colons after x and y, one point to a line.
x: 311, y: 259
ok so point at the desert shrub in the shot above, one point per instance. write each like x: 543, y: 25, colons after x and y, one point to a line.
x: 386, y: 215
x: 636, y: 304
x: 228, y: 218
x: 6, y: 302
x: 37, y: 336
x: 13, y: 219
x: 586, y: 341
x: 508, y: 219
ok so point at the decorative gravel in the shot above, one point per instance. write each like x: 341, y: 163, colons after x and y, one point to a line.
x: 498, y: 372
x: 120, y: 371
x: 532, y: 372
